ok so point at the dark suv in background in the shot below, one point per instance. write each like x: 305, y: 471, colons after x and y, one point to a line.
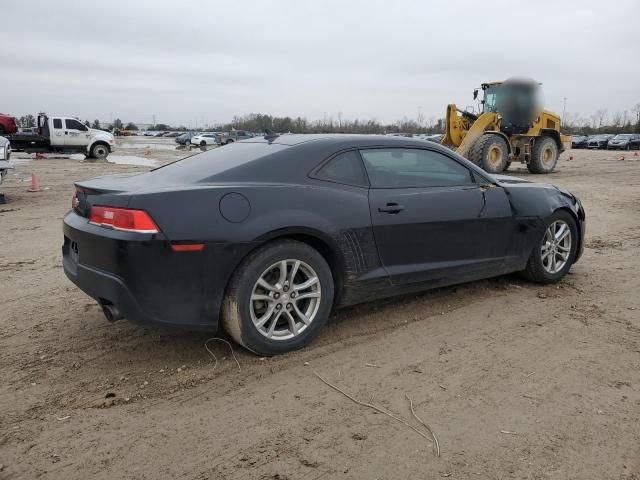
x: 624, y: 141
x: 600, y: 141
x: 233, y: 136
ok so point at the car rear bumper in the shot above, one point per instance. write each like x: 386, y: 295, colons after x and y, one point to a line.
x: 141, y: 276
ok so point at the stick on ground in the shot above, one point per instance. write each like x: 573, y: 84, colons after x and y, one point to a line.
x: 214, y: 355
x: 376, y: 408
x: 435, y: 439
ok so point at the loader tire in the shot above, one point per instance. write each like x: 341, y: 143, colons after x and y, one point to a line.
x: 544, y: 156
x: 491, y: 153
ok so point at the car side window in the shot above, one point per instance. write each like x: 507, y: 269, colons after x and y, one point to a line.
x: 57, y: 123
x: 75, y: 125
x: 344, y: 168
x: 412, y: 167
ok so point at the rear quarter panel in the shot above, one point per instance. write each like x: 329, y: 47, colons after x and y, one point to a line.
x: 337, y: 215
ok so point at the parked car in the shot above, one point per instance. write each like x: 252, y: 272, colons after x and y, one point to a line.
x: 437, y: 138
x: 233, y: 136
x: 205, y: 138
x: 27, y: 131
x: 599, y: 141
x: 624, y: 141
x: 7, y: 124
x: 185, y: 138
x: 579, y: 141
x: 159, y: 134
x: 5, y: 154
x: 269, y: 236
x: 172, y: 134
x: 149, y: 133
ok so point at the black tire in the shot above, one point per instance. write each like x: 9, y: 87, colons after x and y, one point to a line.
x: 228, y: 142
x: 544, y: 155
x: 100, y: 151
x: 490, y: 152
x: 535, y: 270
x: 237, y: 304
x: 203, y: 143
x: 506, y: 167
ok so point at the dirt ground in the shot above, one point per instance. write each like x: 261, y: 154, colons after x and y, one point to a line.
x: 516, y: 380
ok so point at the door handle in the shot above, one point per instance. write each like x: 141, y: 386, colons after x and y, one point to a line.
x: 392, y: 208
x: 66, y: 133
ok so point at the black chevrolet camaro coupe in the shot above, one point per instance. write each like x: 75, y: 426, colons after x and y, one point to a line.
x: 268, y: 235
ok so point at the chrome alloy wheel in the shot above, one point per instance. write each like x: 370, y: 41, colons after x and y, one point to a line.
x: 556, y: 247
x: 285, y: 299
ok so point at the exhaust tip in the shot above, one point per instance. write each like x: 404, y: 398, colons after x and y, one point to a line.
x: 110, y: 311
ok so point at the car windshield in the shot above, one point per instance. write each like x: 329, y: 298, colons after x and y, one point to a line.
x: 622, y: 136
x: 205, y: 165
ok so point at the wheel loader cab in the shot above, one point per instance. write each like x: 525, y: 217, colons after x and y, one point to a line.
x: 490, y: 93
x: 516, y: 101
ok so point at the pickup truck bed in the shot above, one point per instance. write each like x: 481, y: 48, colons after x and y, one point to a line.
x: 29, y: 143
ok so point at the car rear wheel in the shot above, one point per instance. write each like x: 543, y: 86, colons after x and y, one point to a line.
x: 203, y: 143
x: 552, y: 258
x: 544, y: 155
x: 279, y: 298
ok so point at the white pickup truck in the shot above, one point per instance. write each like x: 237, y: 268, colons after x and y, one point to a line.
x: 59, y: 134
x: 5, y: 151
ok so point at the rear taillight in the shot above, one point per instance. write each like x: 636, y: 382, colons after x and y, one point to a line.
x: 126, y: 219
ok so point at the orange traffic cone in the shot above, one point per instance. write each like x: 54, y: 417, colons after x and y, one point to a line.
x: 35, y: 186
x: 40, y: 156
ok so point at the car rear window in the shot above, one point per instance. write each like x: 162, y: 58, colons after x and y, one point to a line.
x: 203, y: 166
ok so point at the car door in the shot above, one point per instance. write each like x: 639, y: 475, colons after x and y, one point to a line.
x: 76, y: 134
x: 57, y: 132
x: 433, y: 218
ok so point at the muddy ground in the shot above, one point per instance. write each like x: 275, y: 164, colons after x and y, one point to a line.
x: 516, y: 380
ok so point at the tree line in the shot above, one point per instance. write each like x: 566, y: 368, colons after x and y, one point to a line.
x: 602, y: 122
x: 599, y: 122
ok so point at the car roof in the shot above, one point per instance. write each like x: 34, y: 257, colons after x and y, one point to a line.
x: 339, y: 139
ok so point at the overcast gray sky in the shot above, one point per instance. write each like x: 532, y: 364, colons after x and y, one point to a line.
x: 204, y: 61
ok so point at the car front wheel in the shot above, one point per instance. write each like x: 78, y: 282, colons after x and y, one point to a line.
x: 99, y: 151
x: 279, y: 298
x: 554, y: 254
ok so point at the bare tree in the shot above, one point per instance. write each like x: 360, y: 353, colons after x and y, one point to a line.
x: 601, y: 115
x: 636, y: 111
x: 616, y: 121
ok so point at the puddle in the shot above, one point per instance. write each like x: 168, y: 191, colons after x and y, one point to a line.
x: 150, y: 145
x: 132, y: 160
x: 112, y: 158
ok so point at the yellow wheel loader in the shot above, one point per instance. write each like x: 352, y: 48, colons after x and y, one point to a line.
x: 510, y: 126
